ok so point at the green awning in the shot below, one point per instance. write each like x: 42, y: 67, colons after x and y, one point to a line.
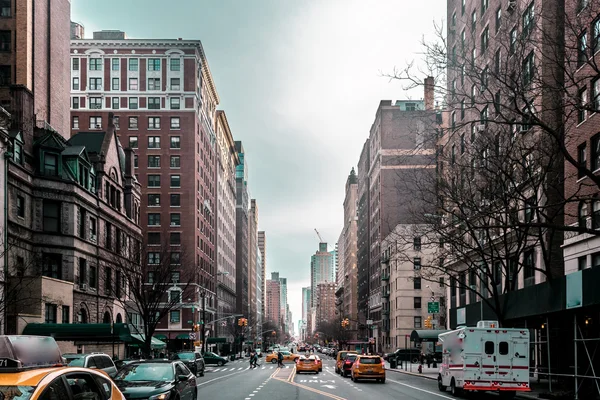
x: 183, y: 336
x: 155, y: 343
x: 426, y: 335
x: 81, y: 332
x: 213, y: 340
x: 160, y: 336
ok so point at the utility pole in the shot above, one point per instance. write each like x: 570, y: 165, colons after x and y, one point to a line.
x: 203, y: 333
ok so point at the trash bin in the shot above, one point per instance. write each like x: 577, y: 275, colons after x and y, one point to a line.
x: 393, y: 362
x: 232, y: 357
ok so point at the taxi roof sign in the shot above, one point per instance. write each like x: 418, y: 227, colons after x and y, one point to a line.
x: 18, y: 352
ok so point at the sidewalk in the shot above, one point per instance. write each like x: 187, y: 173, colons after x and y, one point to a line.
x: 432, y: 374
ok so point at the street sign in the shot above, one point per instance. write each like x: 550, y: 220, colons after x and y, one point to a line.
x: 369, y: 322
x: 433, y: 307
x: 192, y: 335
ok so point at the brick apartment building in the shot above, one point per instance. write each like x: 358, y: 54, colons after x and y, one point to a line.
x: 164, y: 101
x: 326, y: 307
x: 273, y: 306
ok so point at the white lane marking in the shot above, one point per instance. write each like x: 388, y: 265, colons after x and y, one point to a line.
x: 421, y: 390
x: 251, y: 395
x: 239, y: 369
x: 217, y: 378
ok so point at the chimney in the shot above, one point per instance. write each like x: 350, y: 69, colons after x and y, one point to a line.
x: 429, y: 89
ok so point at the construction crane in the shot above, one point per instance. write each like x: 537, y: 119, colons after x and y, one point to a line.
x: 319, y: 235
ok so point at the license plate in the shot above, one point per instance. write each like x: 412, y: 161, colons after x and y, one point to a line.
x: 369, y: 370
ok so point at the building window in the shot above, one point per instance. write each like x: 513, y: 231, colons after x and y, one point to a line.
x: 175, y: 316
x: 473, y: 21
x: 416, y: 283
x: 95, y: 122
x: 175, y: 162
x: 530, y: 206
x: 418, y: 322
x: 484, y: 6
x: 154, y: 64
x: 175, y: 142
x: 133, y: 122
x: 175, y: 238
x: 50, y: 164
x: 529, y: 268
x: 108, y: 280
x: 75, y: 122
x: 133, y: 103
x: 582, y: 49
x: 596, y: 94
x: 133, y: 64
x: 596, y: 36
x: 133, y: 142
x: 115, y: 84
x: 153, y: 161
x: 52, y: 265
x: 175, y: 181
x: 581, y: 160
x: 153, y: 103
x: 95, y: 103
x: 95, y: 83
x: 528, y: 20
x: 485, y: 39
x: 498, y: 19
x: 581, y: 104
x: 513, y: 41
x: 154, y: 142
x: 66, y: 314
x: 417, y: 263
x: 175, y: 103
x: 453, y: 154
x: 115, y: 64
x: 154, y: 238
x: 153, y: 122
x: 93, y: 229
x: 115, y: 103
x: 5, y: 75
x: 175, y: 64
x: 417, y: 302
x: 175, y: 84
x: 175, y: 296
x: 95, y: 64
x: 153, y: 200
x: 133, y: 83
x: 153, y: 258
x: 75, y: 103
x: 93, y: 277
x: 76, y: 64
x: 175, y: 200
x: 176, y: 260
x: 595, y: 152
x: 528, y: 69
x: 153, y: 83
x: 153, y: 219
x: 154, y: 181
x: 175, y: 123
x: 596, y: 214
x: 135, y: 162
x: 582, y: 212
x: 581, y: 263
x: 175, y: 219
x: 417, y: 243
x: 20, y: 206
x: 75, y: 83
x: 462, y: 143
x: 51, y: 311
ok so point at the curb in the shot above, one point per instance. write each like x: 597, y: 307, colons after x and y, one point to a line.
x: 399, y: 371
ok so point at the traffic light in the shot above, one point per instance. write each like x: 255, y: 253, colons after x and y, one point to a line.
x: 345, y: 323
x: 273, y: 333
x: 245, y: 322
x: 196, y: 327
x: 429, y: 322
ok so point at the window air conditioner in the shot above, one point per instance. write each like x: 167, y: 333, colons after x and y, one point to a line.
x: 98, y: 126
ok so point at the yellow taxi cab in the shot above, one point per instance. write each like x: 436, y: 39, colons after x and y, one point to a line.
x: 341, y: 356
x: 287, y: 356
x: 31, y: 368
x: 368, y: 367
x: 307, y: 364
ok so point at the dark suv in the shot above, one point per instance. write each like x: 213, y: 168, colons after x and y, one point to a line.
x: 347, y: 364
x: 194, y: 361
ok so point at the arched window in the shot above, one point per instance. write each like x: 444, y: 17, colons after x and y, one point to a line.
x: 582, y: 214
x: 106, y: 319
x: 119, y: 318
x: 82, y: 316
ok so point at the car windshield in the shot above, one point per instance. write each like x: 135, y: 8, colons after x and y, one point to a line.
x: 370, y: 360
x: 146, y: 372
x: 185, y: 356
x: 76, y: 362
x: 16, y: 392
x: 351, y: 357
x: 210, y: 354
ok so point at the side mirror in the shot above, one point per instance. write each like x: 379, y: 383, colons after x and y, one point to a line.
x: 182, y: 378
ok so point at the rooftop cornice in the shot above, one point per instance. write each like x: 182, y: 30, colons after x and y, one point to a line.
x: 136, y: 43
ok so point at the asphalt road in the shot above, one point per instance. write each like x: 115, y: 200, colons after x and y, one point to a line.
x: 235, y: 381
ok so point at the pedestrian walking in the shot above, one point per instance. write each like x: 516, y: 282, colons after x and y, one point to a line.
x: 251, y: 360
x: 280, y: 359
x: 255, y: 360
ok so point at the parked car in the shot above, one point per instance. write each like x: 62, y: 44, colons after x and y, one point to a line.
x: 411, y: 355
x: 99, y: 361
x: 211, y: 358
x: 157, y: 379
x: 193, y: 360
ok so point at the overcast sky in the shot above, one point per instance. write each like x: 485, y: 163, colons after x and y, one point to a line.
x: 300, y: 81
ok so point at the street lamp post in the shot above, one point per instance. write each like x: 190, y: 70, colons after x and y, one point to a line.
x: 203, y: 332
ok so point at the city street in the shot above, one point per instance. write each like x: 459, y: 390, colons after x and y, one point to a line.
x: 236, y: 381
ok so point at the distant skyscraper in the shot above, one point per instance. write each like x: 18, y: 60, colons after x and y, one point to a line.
x: 273, y: 306
x: 284, y: 305
x: 305, y: 302
x: 241, y: 231
x: 262, y: 248
x: 322, y: 269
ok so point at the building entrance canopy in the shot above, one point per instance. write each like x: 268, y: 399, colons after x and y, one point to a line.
x: 426, y: 335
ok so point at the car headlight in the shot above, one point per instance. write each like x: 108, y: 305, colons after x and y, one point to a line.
x: 162, y: 396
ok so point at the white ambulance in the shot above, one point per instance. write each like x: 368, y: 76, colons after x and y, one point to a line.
x: 485, y: 358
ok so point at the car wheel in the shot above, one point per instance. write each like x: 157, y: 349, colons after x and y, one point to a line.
x: 273, y: 361
x: 202, y: 372
x: 352, y: 378
x: 320, y: 369
x: 441, y: 386
x: 219, y: 363
x: 453, y: 389
x: 382, y: 380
